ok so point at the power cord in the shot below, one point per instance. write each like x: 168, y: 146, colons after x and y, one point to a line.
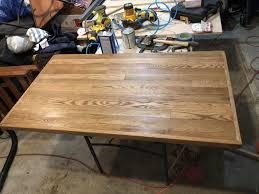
x: 151, y: 186
x: 90, y: 45
x: 160, y: 26
x: 176, y: 180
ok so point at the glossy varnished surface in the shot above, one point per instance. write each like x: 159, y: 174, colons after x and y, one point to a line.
x: 176, y: 98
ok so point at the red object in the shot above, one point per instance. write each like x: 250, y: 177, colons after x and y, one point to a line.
x: 195, y: 175
x: 77, y: 22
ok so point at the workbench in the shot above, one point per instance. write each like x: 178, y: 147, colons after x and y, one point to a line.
x: 175, y: 27
x: 165, y: 98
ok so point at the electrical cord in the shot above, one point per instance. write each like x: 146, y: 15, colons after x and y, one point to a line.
x: 159, y: 8
x: 55, y: 156
x: 158, y: 20
x: 160, y: 26
x: 151, y: 186
x: 177, y: 179
x: 90, y: 45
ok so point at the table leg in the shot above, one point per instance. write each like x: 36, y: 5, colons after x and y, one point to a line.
x: 94, y: 154
x: 9, y: 160
x: 166, y: 164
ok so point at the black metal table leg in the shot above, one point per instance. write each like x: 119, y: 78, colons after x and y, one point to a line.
x: 9, y: 160
x: 93, y: 154
x: 166, y: 164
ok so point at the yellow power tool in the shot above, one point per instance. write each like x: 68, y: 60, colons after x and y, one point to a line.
x: 103, y: 21
x: 93, y: 27
x: 134, y: 17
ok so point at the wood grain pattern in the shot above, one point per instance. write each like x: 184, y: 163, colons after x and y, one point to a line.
x: 13, y: 71
x: 175, y: 98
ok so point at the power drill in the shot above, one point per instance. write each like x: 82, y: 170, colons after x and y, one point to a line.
x: 103, y: 21
x: 134, y: 17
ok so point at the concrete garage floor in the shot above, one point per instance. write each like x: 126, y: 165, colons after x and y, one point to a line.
x: 224, y: 172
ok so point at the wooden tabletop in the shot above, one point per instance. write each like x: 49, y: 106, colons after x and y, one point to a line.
x: 174, y: 98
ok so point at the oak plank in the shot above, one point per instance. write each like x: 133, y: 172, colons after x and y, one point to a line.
x: 52, y: 95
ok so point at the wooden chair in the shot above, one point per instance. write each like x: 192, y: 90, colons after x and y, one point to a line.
x: 14, y: 80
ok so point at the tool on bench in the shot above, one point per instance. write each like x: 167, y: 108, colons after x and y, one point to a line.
x: 103, y: 21
x: 155, y: 45
x: 195, y: 15
x: 175, y: 42
x: 93, y: 27
x: 134, y: 17
x: 185, y: 36
x: 147, y: 43
x: 107, y: 42
x: 128, y: 37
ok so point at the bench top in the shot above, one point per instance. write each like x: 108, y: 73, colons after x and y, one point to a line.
x: 173, y: 98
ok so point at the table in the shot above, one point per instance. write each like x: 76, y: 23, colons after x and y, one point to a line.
x: 166, y: 98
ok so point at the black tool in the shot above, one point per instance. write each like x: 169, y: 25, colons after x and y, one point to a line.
x: 147, y: 43
x: 194, y: 15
